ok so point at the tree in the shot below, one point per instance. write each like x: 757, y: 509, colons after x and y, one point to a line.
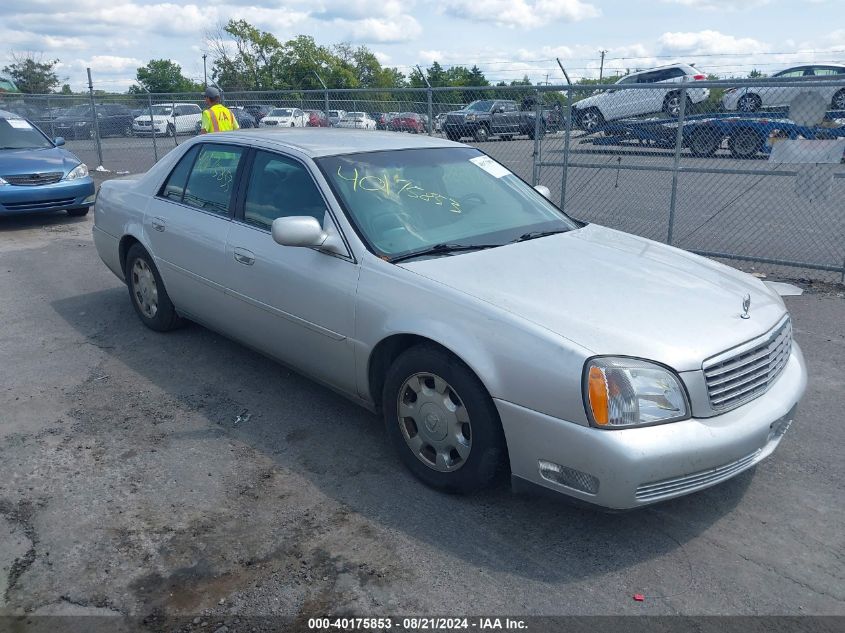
x: 66, y: 89
x: 31, y: 74
x: 253, y: 65
x: 756, y: 74
x: 162, y: 76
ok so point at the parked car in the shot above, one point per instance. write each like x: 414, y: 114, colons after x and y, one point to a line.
x: 335, y: 116
x: 169, y: 119
x: 421, y: 278
x: 258, y: 111
x: 486, y: 118
x: 616, y: 102
x: 113, y: 119
x: 36, y: 174
x: 284, y: 117
x: 383, y: 120
x: 751, y: 99
x: 358, y: 120
x: 408, y: 122
x: 316, y: 118
x: 439, y: 122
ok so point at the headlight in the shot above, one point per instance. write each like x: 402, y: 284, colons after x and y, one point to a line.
x: 470, y: 118
x: 626, y: 392
x: 80, y: 171
x: 3, y: 182
x: 81, y: 123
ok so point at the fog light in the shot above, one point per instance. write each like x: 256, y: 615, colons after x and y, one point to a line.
x: 568, y: 477
x: 90, y: 199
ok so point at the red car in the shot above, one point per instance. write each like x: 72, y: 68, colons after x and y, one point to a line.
x: 317, y: 118
x: 408, y: 122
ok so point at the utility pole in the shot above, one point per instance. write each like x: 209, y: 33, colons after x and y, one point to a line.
x: 204, y: 72
x: 601, y: 67
x: 428, y: 99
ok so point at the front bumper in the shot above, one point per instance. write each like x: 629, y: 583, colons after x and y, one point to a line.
x: 636, y: 467
x: 65, y: 194
x: 141, y: 130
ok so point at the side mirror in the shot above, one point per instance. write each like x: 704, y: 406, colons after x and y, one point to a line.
x: 58, y: 141
x: 305, y: 230
x: 544, y: 191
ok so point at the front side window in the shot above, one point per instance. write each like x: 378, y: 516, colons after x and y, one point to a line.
x: 211, y: 182
x: 480, y: 106
x: 409, y: 200
x: 796, y: 72
x: 280, y: 187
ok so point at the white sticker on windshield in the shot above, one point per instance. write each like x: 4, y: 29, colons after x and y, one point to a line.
x: 490, y: 166
x: 19, y: 124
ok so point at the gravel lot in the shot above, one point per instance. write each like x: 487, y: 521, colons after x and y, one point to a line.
x: 183, y: 474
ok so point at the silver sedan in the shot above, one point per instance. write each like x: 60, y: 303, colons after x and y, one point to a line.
x: 493, y: 333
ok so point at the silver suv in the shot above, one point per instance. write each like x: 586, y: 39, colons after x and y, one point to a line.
x: 618, y: 103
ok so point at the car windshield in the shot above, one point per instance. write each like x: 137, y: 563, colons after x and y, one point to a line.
x: 334, y: 113
x: 281, y: 112
x: 354, y: 117
x: 79, y: 110
x: 479, y: 106
x: 20, y: 134
x: 160, y: 110
x: 410, y: 200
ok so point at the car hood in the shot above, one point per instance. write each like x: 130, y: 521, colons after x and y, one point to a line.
x: 29, y: 161
x: 615, y: 293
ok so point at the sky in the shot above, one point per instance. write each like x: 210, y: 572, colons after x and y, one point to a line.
x: 505, y: 38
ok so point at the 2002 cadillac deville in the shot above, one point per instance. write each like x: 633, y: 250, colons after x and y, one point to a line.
x: 426, y: 281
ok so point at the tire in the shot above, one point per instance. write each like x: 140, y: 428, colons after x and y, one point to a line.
x: 745, y: 143
x: 171, y: 131
x: 128, y: 132
x: 293, y: 124
x: 749, y: 103
x: 705, y: 142
x: 838, y: 101
x: 481, y: 134
x: 77, y: 213
x: 459, y: 414
x: 590, y: 119
x: 672, y: 104
x: 147, y: 293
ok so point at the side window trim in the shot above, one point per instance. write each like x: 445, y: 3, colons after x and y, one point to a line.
x: 160, y: 193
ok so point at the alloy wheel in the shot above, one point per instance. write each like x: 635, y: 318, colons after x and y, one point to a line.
x: 144, y: 288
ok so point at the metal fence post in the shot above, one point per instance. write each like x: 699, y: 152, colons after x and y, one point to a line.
x: 51, y: 117
x: 94, y: 126
x: 326, y: 95
x: 152, y: 125
x: 538, y: 112
x: 679, y: 143
x: 430, y: 112
x: 567, y: 134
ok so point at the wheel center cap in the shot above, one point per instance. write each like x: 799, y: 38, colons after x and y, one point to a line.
x: 434, y: 422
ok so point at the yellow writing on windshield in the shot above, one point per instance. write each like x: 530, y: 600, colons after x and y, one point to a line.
x: 395, y: 186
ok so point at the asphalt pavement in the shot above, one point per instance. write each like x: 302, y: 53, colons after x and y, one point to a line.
x: 181, y: 473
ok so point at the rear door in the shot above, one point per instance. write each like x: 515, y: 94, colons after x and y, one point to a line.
x: 187, y: 224
x: 783, y: 95
x: 835, y: 95
x: 297, y: 304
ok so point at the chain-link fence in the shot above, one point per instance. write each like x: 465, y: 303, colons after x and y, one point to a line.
x: 747, y: 170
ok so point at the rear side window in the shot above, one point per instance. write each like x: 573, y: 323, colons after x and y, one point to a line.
x: 211, y: 181
x: 827, y: 71
x: 280, y: 187
x: 174, y: 188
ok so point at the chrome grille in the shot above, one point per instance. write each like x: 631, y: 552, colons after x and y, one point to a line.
x: 736, y: 379
x: 687, y: 483
x: 32, y: 180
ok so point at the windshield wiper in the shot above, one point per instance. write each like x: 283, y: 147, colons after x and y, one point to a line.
x: 533, y: 235
x: 442, y: 249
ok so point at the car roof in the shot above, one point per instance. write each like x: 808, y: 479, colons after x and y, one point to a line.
x: 812, y: 65
x: 318, y: 142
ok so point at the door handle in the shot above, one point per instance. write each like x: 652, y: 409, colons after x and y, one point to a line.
x: 158, y: 224
x: 243, y: 256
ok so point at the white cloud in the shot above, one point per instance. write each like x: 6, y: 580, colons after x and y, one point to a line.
x: 521, y: 13
x: 720, y: 5
x: 110, y: 63
x: 708, y: 42
x: 402, y: 28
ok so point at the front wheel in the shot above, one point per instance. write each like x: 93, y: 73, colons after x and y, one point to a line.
x: 171, y: 131
x: 590, y: 120
x: 442, y: 421
x: 147, y: 292
x: 838, y: 101
x: 481, y: 134
x: 749, y: 103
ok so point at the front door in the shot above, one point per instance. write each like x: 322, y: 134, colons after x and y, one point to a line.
x: 298, y: 304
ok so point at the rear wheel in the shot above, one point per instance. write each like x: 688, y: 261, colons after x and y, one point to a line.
x: 147, y: 292
x: 672, y: 104
x: 590, y: 120
x: 745, y: 143
x: 442, y: 421
x: 838, y: 101
x: 749, y: 103
x: 171, y: 131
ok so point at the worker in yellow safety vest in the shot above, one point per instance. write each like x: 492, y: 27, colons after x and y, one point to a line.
x: 217, y: 117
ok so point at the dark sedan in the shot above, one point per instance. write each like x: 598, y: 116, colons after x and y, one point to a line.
x: 112, y: 120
